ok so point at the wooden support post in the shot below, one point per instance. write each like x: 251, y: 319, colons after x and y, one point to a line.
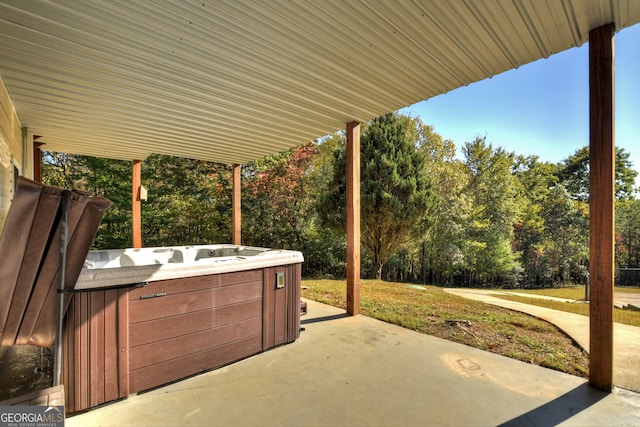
x: 136, y: 204
x: 236, y: 210
x: 37, y: 159
x: 353, y: 218
x: 37, y: 163
x: 602, y: 205
x: 27, y: 164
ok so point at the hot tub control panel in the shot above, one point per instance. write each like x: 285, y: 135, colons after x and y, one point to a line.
x: 280, y: 279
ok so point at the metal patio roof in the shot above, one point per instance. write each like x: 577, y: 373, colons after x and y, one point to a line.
x: 231, y: 81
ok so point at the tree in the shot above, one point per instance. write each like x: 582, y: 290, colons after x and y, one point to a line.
x: 189, y: 201
x: 536, y: 180
x: 102, y: 177
x: 396, y: 196
x: 276, y: 209
x: 496, y: 202
x: 325, y: 252
x: 566, y: 235
x: 574, y: 173
x: 58, y: 169
x: 112, y: 179
x: 628, y: 233
x: 440, y: 252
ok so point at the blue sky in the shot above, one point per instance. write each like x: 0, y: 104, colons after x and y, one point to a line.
x: 542, y: 108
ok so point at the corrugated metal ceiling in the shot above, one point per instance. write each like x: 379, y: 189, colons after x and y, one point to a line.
x: 232, y: 81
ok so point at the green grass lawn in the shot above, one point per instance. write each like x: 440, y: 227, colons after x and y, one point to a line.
x: 432, y: 311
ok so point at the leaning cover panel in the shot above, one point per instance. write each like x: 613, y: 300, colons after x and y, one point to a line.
x: 39, y: 323
x: 14, y: 240
x: 30, y: 249
x: 80, y: 239
x: 39, y: 240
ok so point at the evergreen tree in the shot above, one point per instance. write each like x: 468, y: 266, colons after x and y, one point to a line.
x: 397, y: 201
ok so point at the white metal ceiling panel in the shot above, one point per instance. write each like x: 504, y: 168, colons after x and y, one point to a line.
x: 232, y: 81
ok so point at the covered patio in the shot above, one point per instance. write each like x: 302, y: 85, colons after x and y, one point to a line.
x: 358, y: 371
x: 233, y: 81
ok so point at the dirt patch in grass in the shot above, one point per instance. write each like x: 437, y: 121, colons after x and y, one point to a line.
x: 432, y: 311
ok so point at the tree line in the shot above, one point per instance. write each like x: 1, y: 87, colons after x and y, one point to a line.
x: 487, y: 218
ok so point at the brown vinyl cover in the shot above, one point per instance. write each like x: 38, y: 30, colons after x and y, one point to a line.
x: 30, y: 250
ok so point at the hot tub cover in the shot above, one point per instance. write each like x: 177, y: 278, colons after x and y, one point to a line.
x: 30, y: 251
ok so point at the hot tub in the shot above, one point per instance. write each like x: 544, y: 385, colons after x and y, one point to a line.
x: 141, y: 318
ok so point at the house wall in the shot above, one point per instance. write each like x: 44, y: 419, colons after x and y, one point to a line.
x: 11, y: 150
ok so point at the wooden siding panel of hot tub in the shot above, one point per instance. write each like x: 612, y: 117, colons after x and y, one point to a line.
x: 180, y: 296
x: 268, y: 295
x: 237, y: 312
x: 91, y: 350
x: 156, y: 375
x: 294, y: 275
x: 280, y: 310
x: 68, y: 353
x: 229, y: 279
x: 155, y: 327
x: 281, y: 321
x: 96, y: 343
x: 111, y: 346
x: 227, y: 323
x: 152, y: 308
x: 292, y: 303
x: 123, y: 342
x: 162, y: 329
x: 79, y: 357
x: 176, y: 286
x: 194, y: 327
x: 237, y: 293
x: 183, y: 356
x: 186, y: 345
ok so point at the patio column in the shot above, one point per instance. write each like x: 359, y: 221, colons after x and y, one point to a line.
x: 37, y: 159
x: 353, y: 218
x: 236, y: 206
x: 27, y: 165
x: 602, y: 205
x: 136, y: 204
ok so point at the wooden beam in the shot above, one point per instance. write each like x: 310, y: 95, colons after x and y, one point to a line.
x: 602, y: 205
x: 136, y: 204
x: 353, y: 218
x: 236, y: 210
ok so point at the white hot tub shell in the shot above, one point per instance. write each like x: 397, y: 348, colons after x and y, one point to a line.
x: 115, y: 267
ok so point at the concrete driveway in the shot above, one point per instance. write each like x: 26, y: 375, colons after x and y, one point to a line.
x: 627, y: 298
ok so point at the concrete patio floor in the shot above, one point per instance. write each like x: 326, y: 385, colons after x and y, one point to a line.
x: 357, y: 371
